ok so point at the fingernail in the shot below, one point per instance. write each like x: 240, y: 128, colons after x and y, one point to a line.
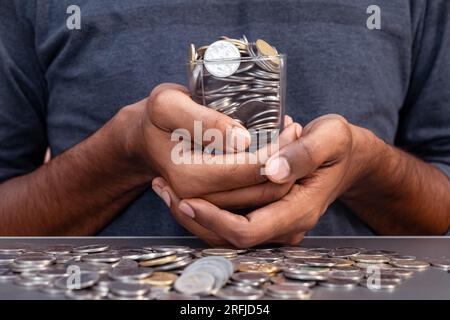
x: 240, y: 138
x: 187, y: 210
x: 298, y: 131
x: 157, y: 189
x: 166, y: 197
x: 278, y: 168
x: 288, y: 121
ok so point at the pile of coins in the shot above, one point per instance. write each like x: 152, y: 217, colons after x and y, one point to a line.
x: 100, y: 271
x: 241, y: 79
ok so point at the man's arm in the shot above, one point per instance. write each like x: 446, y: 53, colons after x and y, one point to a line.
x: 398, y: 193
x: 78, y: 192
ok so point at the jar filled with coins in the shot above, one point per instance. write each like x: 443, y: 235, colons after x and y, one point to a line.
x: 243, y: 80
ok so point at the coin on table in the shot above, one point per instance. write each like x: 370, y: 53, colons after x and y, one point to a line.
x: 268, y: 268
x: 126, y: 263
x: 250, y: 278
x: 380, y: 284
x: 8, y: 276
x: 101, y: 257
x: 34, y: 260
x: 303, y: 255
x: 441, y: 263
x: 413, y: 264
x: 160, y: 279
x: 288, y: 291
x: 99, y: 267
x: 402, y: 258
x: 279, y: 278
x: 221, y: 59
x: 92, y: 248
x: 6, y: 259
x: 195, y: 283
x: 334, y: 283
x: 176, y: 296
x: 363, y: 258
x: 320, y: 262
x: 130, y: 274
x: 128, y: 289
x: 177, y: 249
x: 219, y: 252
x: 236, y: 293
x: 85, y: 280
x: 58, y: 249
x: 344, y: 252
x: 158, y: 261
x: 346, y: 276
x: 85, y: 294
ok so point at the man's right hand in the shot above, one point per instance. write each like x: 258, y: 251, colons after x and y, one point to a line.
x: 170, y: 108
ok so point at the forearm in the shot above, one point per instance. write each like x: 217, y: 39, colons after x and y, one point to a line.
x: 79, y: 191
x: 397, y: 193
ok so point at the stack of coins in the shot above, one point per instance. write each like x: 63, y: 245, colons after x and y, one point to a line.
x: 242, y: 79
x: 180, y: 272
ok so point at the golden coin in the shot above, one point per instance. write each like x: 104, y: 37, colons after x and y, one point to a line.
x: 267, y: 50
x: 192, y: 53
x: 158, y: 261
x: 160, y: 279
x: 268, y: 268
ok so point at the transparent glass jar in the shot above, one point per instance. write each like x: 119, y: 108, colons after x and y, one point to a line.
x: 250, y: 90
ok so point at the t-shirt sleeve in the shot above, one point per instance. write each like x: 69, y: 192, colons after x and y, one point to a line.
x: 22, y: 92
x: 425, y: 118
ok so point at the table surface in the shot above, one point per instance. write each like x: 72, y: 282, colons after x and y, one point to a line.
x: 432, y: 283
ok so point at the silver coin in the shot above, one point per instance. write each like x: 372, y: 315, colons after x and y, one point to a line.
x: 6, y: 259
x: 379, y: 253
x: 34, y: 260
x: 83, y: 295
x: 82, y: 281
x: 344, y: 252
x: 402, y: 258
x: 305, y: 276
x: 251, y: 278
x: 52, y: 273
x: 176, y: 248
x: 334, y: 283
x: 13, y: 248
x: 288, y: 291
x: 92, y: 248
x: 176, y: 296
x: 320, y: 262
x: 379, y: 285
x: 221, y: 59
x: 174, y: 265
x: 346, y: 276
x: 376, y: 259
x: 126, y: 263
x: 8, y: 276
x: 98, y: 267
x: 101, y: 257
x: 413, y: 264
x: 60, y: 249
x: 441, y: 263
x: 128, y: 289
x: 236, y: 293
x: 130, y: 274
x: 195, y: 283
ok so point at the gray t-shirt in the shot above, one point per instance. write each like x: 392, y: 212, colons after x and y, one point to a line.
x: 58, y: 86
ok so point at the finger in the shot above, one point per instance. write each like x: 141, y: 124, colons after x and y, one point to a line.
x: 260, y: 226
x: 249, y: 197
x: 320, y: 143
x: 172, y: 109
x: 291, y: 133
x: 162, y: 189
x: 287, y: 120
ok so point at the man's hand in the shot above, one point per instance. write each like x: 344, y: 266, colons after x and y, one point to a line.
x: 332, y: 158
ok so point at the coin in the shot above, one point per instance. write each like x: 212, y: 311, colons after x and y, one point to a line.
x: 158, y: 261
x: 130, y: 274
x: 411, y: 264
x: 236, y: 293
x: 220, y: 252
x: 288, y: 291
x: 195, y: 283
x: 442, y: 263
x: 128, y: 289
x: 82, y: 281
x: 251, y: 278
x: 334, y: 283
x: 92, y: 248
x: 101, y: 257
x: 376, y: 259
x: 160, y: 279
x: 258, y: 267
x: 222, y: 58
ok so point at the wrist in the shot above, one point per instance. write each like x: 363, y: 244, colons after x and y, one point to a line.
x: 126, y: 134
x: 367, y: 154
